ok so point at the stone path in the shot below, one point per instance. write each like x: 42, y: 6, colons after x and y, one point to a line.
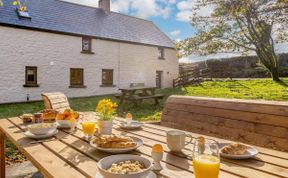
x: 22, y: 170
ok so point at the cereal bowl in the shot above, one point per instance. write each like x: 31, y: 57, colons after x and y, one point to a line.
x: 105, y: 163
x: 42, y: 128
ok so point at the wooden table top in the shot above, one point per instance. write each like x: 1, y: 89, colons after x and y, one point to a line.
x: 69, y: 156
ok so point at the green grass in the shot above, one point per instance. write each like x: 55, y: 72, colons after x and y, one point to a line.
x: 243, y: 89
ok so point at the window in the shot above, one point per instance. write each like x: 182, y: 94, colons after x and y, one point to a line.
x: 86, y: 45
x: 76, y: 78
x: 107, y: 77
x: 160, y: 53
x: 30, y: 76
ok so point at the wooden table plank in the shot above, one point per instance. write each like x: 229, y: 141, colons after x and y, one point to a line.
x: 226, y: 167
x: 274, y: 153
x: 171, y: 170
x: 2, y: 154
x: 250, y: 165
x: 272, y: 168
x: 81, y: 162
x: 45, y: 160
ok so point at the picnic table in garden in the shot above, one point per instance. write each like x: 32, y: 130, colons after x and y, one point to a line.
x: 137, y: 94
x: 68, y: 155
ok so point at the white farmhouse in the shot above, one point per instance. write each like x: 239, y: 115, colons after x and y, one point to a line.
x: 78, y: 50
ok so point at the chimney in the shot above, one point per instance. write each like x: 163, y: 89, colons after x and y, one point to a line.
x: 104, y: 4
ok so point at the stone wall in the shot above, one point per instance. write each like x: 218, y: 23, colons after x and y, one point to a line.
x: 236, y: 67
x: 55, y: 54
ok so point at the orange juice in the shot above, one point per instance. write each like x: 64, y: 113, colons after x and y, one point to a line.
x: 206, y: 166
x: 88, y: 127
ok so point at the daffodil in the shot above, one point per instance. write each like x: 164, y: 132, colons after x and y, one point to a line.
x: 106, y: 109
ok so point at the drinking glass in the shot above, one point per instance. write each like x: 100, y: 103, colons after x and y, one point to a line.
x: 88, y: 129
x: 206, y: 158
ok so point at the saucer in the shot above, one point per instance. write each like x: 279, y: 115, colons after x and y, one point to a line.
x: 49, y: 134
x: 151, y: 175
x: 132, y: 125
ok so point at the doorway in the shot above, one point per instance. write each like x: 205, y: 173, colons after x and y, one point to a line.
x: 159, y: 75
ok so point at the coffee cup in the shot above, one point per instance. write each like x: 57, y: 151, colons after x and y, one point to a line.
x: 176, y: 140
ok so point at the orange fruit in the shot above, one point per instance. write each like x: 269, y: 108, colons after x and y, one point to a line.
x: 60, y: 116
x: 70, y: 117
x: 76, y: 115
x: 67, y: 112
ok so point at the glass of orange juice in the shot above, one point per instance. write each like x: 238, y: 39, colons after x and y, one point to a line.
x: 206, y: 158
x: 88, y: 128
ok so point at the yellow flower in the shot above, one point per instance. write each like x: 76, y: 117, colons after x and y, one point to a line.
x: 106, y: 108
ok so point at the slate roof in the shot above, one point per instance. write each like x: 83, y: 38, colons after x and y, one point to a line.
x: 59, y: 16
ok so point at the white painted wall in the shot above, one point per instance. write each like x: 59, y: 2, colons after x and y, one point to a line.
x: 131, y: 64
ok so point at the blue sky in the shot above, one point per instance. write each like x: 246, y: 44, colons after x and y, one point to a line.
x: 171, y: 16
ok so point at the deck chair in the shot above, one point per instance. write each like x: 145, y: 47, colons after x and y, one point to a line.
x: 56, y: 100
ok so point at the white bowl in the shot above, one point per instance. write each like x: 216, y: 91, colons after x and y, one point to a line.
x: 65, y: 124
x: 36, y: 129
x: 106, y: 163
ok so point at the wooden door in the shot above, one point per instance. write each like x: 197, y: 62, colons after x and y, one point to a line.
x: 159, y: 79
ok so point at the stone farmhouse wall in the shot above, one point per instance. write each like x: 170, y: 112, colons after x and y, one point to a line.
x: 55, y: 54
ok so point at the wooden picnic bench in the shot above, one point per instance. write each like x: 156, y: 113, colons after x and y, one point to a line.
x: 68, y: 155
x: 138, y: 94
x: 257, y: 122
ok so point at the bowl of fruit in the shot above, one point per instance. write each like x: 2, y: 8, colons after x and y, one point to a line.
x: 67, y: 119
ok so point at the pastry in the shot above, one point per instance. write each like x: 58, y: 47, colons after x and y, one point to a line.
x: 118, y: 145
x: 27, y: 118
x: 49, y: 115
x: 234, y: 149
x: 113, y: 141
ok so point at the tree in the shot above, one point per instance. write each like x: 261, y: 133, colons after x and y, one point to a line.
x: 239, y: 25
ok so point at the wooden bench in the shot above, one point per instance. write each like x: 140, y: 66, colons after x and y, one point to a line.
x: 56, y: 100
x: 263, y: 123
x: 137, y: 98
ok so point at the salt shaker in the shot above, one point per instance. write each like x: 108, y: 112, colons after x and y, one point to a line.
x: 157, y: 155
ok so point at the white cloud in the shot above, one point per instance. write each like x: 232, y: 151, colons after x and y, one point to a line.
x: 144, y: 8
x: 120, y: 6
x: 175, y: 32
x: 187, y: 8
x: 178, y: 39
x: 140, y: 8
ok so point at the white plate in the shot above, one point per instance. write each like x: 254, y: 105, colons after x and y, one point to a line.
x: 138, y: 141
x: 151, y: 175
x: 132, y: 125
x: 49, y: 134
x: 251, y: 152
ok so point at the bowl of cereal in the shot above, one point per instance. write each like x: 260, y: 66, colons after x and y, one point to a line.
x: 42, y: 128
x: 124, y: 166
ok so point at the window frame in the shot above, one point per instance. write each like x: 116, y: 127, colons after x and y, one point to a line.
x: 89, y: 51
x: 77, y: 85
x: 35, y: 73
x: 109, y: 83
x: 162, y: 53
